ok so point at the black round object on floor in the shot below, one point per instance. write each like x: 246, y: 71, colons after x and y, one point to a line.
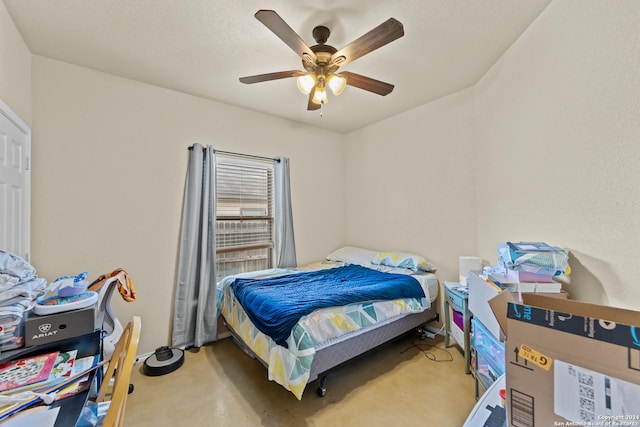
x: 163, y: 361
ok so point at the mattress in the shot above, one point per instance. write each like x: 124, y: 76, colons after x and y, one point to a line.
x: 325, y: 330
x: 291, y: 366
x: 429, y: 283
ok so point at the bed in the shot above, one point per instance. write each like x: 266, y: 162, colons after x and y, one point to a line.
x: 301, y: 344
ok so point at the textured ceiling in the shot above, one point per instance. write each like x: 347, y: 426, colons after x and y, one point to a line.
x: 202, y: 47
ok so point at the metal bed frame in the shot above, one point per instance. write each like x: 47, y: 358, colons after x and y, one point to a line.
x: 332, y: 356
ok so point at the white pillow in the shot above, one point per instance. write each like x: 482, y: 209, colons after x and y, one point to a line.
x: 353, y: 255
x: 403, y: 260
x: 394, y: 270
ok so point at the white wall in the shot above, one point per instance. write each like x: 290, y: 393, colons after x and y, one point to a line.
x: 15, y: 68
x: 558, y: 137
x: 409, y: 183
x: 544, y: 147
x: 109, y: 167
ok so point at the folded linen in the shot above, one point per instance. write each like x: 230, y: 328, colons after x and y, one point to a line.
x: 7, y: 281
x: 13, y: 265
x: 552, y: 261
x: 28, y: 291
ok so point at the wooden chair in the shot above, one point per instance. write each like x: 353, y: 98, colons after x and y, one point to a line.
x: 119, y: 370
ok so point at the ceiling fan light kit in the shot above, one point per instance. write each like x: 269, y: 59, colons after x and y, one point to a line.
x: 306, y: 82
x: 322, y: 61
x: 336, y: 83
x: 320, y: 96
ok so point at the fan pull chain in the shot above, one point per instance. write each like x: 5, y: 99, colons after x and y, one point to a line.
x: 321, y: 113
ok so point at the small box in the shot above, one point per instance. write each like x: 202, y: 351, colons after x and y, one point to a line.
x: 59, y: 326
x: 569, y: 362
x: 467, y: 264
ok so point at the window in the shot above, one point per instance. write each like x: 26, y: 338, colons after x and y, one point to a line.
x: 244, y: 216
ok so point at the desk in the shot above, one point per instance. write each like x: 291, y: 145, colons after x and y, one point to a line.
x: 87, y: 345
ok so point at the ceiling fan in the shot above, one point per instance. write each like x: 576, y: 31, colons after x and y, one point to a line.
x: 322, y: 61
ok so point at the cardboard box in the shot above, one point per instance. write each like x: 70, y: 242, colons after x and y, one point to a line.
x: 59, y: 326
x: 481, y: 292
x: 569, y: 363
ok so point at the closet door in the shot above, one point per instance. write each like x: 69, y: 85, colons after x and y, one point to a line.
x: 15, y: 183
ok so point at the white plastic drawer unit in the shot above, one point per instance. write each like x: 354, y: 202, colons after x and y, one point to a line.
x: 489, y: 354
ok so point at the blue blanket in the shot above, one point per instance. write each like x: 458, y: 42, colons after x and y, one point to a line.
x: 275, y: 304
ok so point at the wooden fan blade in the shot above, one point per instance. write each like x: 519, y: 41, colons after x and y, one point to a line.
x: 276, y: 24
x: 270, y: 76
x: 312, y: 106
x: 383, y: 34
x: 367, y: 83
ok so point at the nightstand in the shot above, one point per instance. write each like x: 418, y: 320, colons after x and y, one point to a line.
x: 456, y: 297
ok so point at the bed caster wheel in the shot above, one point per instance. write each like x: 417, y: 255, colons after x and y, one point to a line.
x: 130, y: 389
x: 322, y: 392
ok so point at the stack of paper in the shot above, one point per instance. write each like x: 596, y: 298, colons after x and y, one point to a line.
x: 17, y: 375
x: 21, y: 375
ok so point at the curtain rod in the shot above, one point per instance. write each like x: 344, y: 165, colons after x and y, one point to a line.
x: 251, y: 156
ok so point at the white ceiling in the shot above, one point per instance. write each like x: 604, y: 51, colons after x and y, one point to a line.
x: 202, y: 47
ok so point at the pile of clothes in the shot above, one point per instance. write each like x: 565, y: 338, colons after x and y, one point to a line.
x: 19, y: 289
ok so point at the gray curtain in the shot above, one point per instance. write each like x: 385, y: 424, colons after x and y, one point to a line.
x: 195, y: 312
x: 285, y: 246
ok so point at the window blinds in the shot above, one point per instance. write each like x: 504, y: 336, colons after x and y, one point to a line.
x: 244, y: 215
